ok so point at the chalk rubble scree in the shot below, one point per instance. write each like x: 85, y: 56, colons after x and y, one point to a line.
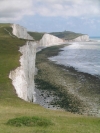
x: 23, y: 76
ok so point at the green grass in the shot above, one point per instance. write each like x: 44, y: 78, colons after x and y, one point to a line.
x: 29, y: 122
x: 12, y: 107
x: 9, y: 59
x: 36, y: 35
x: 68, y: 35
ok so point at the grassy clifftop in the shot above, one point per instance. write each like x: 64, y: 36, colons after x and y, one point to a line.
x: 67, y: 35
x: 36, y: 35
x: 13, y: 108
x: 9, y: 59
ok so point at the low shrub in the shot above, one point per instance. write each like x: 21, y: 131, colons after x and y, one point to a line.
x: 29, y: 121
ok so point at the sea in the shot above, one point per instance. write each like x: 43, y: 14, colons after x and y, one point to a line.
x: 83, y: 56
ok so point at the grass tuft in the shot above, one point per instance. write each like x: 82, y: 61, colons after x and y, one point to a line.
x: 29, y: 122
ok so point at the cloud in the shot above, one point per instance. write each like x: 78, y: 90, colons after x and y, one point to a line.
x: 68, y: 8
x: 13, y: 10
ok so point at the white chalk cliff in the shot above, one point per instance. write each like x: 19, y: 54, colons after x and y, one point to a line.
x: 50, y: 40
x: 23, y: 76
x: 83, y: 38
x: 21, y: 32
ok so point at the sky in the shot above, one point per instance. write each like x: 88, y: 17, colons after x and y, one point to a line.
x: 80, y: 16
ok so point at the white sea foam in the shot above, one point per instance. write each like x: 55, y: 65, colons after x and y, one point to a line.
x: 83, y: 56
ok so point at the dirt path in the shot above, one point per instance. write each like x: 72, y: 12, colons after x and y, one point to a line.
x: 8, y: 32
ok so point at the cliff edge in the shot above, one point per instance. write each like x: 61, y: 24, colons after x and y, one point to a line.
x: 50, y: 40
x: 23, y: 76
x: 71, y: 36
x: 21, y: 32
x: 83, y: 38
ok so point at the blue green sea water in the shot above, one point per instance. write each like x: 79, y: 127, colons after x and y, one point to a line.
x: 83, y: 56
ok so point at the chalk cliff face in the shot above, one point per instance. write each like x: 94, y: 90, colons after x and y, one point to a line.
x: 21, y: 32
x: 83, y: 38
x: 23, y: 76
x: 50, y: 40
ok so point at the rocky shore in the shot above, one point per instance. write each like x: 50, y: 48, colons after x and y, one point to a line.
x: 60, y: 87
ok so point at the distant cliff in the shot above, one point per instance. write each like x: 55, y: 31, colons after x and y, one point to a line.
x: 71, y: 36
x: 21, y: 32
x: 83, y: 38
x: 49, y: 40
x: 23, y: 76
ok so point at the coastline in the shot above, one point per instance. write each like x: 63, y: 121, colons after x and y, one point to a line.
x: 64, y: 87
